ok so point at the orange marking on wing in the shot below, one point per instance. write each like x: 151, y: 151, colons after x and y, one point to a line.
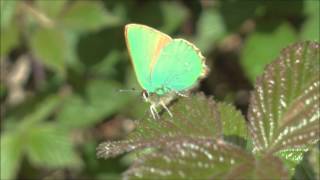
x: 160, y: 44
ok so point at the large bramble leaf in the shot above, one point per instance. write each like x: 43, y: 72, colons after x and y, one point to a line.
x: 284, y: 111
x: 201, y: 122
x: 192, y: 159
x: 233, y: 122
x: 191, y: 145
x: 203, y: 159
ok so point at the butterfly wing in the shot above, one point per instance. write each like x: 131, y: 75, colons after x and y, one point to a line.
x: 178, y: 67
x: 144, y: 45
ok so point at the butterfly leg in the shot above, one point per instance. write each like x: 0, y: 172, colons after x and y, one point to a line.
x: 181, y: 94
x: 154, y: 112
x: 166, y: 108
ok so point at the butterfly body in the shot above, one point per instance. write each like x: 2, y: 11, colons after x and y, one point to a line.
x: 164, y: 66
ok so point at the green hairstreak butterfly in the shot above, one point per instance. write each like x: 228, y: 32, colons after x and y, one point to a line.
x: 164, y: 66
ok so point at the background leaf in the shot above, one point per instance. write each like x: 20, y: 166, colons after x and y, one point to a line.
x: 51, y: 8
x: 255, y: 58
x: 85, y: 16
x: 87, y: 109
x: 50, y: 147
x: 11, y: 154
x: 49, y: 46
x: 7, y: 12
x: 9, y: 38
x: 310, y: 30
x: 208, y: 35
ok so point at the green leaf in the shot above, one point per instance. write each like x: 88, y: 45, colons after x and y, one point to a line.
x: 8, y: 9
x: 51, y: 8
x: 202, y: 159
x: 190, y: 145
x: 236, y: 12
x: 49, y: 47
x: 284, y: 109
x: 151, y: 132
x: 33, y: 111
x: 9, y: 38
x: 191, y: 159
x: 311, y: 27
x: 50, y: 147
x: 11, y: 154
x: 210, y: 28
x: 41, y: 111
x: 87, y: 16
x: 261, y: 48
x: 314, y: 159
x: 192, y: 117
x: 169, y: 10
x: 101, y: 99
x: 233, y: 122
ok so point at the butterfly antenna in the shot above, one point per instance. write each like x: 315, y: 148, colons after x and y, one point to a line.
x: 128, y: 90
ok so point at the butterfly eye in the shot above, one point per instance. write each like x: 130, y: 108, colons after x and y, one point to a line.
x: 145, y: 94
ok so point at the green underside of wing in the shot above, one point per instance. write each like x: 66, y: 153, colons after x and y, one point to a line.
x: 142, y: 43
x: 178, y: 67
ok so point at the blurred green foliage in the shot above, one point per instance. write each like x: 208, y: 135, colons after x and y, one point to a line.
x: 63, y: 99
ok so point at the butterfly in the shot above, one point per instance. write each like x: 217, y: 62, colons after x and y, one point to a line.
x: 164, y: 67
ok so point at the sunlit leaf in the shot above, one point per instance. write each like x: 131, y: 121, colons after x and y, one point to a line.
x: 8, y: 9
x: 284, y: 111
x: 311, y: 27
x: 236, y: 12
x: 261, y: 48
x: 193, y: 117
x: 50, y: 147
x: 9, y: 38
x: 169, y: 10
x: 210, y: 28
x: 49, y: 47
x: 101, y: 99
x: 86, y: 16
x: 51, y: 8
x: 11, y: 153
x: 36, y: 110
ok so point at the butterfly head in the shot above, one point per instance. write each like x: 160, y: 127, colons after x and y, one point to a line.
x: 145, y: 95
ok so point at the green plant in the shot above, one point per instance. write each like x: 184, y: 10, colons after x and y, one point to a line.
x: 206, y: 140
